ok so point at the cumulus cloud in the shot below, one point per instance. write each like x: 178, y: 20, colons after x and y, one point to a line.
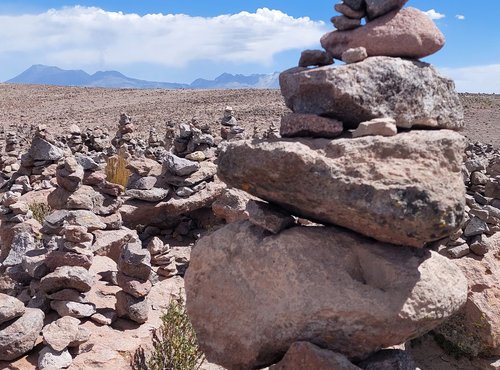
x: 460, y: 17
x: 77, y: 36
x: 433, y: 14
x: 475, y: 79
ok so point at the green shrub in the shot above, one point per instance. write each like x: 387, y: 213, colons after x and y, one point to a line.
x: 117, y: 171
x: 40, y: 211
x: 174, y: 344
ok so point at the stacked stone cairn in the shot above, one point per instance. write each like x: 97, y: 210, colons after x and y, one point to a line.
x: 124, y: 136
x: 75, y: 140
x: 9, y: 160
x: 359, y: 161
x: 230, y: 130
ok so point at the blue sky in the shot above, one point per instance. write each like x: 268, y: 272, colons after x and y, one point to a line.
x: 215, y: 36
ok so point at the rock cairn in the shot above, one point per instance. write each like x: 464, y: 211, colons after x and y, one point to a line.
x: 9, y: 160
x: 230, y: 130
x: 75, y: 140
x: 124, y: 136
x: 373, y: 283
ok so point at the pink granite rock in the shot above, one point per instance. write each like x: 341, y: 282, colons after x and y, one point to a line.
x: 408, y: 33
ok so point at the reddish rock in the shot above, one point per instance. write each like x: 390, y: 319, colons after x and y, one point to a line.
x: 310, y: 125
x: 408, y: 33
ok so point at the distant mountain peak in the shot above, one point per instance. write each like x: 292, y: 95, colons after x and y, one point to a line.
x: 51, y: 75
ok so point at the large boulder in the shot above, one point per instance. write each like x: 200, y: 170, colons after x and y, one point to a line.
x: 408, y: 33
x: 411, y: 92
x: 391, y: 189
x: 20, y: 336
x: 322, y: 285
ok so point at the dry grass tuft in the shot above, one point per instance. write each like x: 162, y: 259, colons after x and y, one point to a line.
x: 117, y: 171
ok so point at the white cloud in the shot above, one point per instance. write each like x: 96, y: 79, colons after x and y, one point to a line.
x: 460, y: 17
x: 85, y: 36
x: 433, y: 14
x: 478, y: 79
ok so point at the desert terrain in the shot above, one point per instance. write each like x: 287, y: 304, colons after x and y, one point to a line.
x: 58, y: 107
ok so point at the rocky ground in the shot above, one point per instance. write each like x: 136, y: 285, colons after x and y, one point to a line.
x: 59, y: 107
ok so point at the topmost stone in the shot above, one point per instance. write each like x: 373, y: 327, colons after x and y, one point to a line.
x: 377, y: 8
x: 406, y: 33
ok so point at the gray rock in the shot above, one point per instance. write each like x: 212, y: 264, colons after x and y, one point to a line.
x: 476, y: 226
x: 207, y: 170
x: 10, y: 308
x: 346, y: 10
x: 385, y: 188
x: 49, y: 359
x: 310, y: 125
x: 33, y: 263
x: 393, y: 359
x: 19, y: 337
x: 377, y: 8
x: 480, y: 245
x: 73, y: 309
x: 22, y: 242
x: 135, y: 309
x: 459, y: 251
x: 184, y: 192
x: 144, y: 183
x: 180, y: 166
x: 269, y: 217
x: 87, y: 162
x: 309, y: 58
x: 331, y: 287
x: 424, y: 98
x: 151, y: 195
x: 135, y: 262
x: 355, y: 4
x: 67, y: 277
x: 343, y: 23
x: 42, y: 150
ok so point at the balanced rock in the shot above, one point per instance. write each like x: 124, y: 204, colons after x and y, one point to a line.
x: 390, y: 189
x: 69, y: 174
x: 19, y: 337
x: 309, y: 58
x: 135, y: 309
x: 377, y: 126
x: 423, y: 98
x: 331, y: 287
x: 377, y: 8
x: 10, y: 308
x: 408, y: 33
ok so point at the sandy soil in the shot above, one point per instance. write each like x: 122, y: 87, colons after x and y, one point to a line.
x: 59, y: 107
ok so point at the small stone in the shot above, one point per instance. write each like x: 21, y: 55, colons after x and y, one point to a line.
x: 459, y: 251
x: 480, y: 245
x: 10, y: 308
x: 377, y: 8
x: 354, y: 55
x: 156, y: 246
x: 104, y: 317
x: 269, y: 217
x: 144, y: 183
x: 73, y: 309
x: 151, y: 195
x: 184, y: 192
x: 476, y: 226
x: 196, y: 156
x: 135, y: 263
x: 478, y: 178
x: 346, y: 10
x: 393, y: 359
x: 136, y: 309
x: 60, y: 333
x: 77, y: 234
x: 378, y: 126
x: 343, y: 23
x: 134, y: 287
x: 307, y: 356
x: 48, y: 359
x: 312, y: 58
x: 180, y: 166
x: 310, y: 125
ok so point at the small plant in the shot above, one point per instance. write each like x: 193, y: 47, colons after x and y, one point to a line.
x: 40, y: 210
x: 117, y: 171
x: 175, y: 346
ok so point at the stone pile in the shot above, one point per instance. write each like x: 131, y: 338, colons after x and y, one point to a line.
x: 134, y: 270
x: 230, y: 130
x: 124, y: 136
x: 74, y: 140
x: 9, y: 159
x: 96, y: 140
x: 259, y: 288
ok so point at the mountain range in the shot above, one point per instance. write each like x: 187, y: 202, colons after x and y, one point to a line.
x: 49, y: 75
